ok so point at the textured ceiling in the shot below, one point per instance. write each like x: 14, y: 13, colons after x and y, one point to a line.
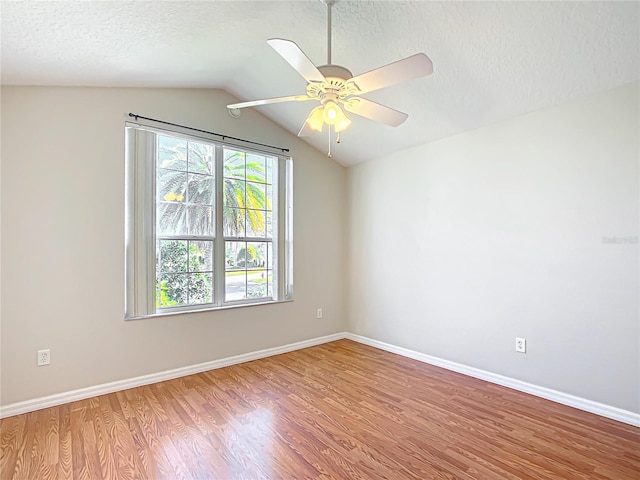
x: 492, y: 60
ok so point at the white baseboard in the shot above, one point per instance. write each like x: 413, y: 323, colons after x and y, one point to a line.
x: 84, y: 393
x: 601, y: 409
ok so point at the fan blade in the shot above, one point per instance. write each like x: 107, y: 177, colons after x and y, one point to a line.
x: 375, y: 111
x: 255, y: 103
x: 291, y: 52
x: 418, y: 65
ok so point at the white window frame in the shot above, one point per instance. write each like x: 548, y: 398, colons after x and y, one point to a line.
x: 140, y: 224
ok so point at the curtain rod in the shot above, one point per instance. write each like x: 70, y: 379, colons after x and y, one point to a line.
x: 224, y: 137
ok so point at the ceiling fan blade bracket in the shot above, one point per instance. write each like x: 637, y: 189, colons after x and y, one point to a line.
x: 350, y: 88
x: 351, y: 104
x: 315, y: 89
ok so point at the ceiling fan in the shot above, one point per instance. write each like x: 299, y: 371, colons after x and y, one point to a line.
x: 335, y: 87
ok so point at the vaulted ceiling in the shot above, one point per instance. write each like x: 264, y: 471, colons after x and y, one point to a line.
x: 492, y: 60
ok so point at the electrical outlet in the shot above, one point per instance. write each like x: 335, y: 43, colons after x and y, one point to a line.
x: 319, y: 313
x: 521, y: 345
x: 44, y: 357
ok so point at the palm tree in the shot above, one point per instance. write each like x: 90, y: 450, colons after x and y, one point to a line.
x: 185, y: 190
x: 184, y: 187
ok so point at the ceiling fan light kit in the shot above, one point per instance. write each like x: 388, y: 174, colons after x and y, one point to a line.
x: 336, y: 88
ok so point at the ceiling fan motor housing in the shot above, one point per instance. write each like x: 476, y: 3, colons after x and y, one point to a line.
x: 335, y: 71
x: 335, y: 87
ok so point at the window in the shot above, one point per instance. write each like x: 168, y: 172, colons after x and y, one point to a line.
x: 208, y: 224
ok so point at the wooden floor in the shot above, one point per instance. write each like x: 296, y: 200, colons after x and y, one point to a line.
x: 340, y: 410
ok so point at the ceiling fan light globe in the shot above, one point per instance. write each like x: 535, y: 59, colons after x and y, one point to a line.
x: 333, y: 115
x: 342, y: 124
x: 332, y: 112
x: 315, y: 120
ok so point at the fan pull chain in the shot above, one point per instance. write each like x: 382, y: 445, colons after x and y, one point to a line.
x: 329, y: 153
x: 338, y: 139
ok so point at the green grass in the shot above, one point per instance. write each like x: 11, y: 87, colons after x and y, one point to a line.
x: 234, y: 273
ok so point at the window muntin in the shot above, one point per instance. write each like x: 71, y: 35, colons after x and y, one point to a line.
x: 218, y: 228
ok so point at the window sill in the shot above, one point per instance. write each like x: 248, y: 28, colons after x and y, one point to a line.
x: 171, y: 313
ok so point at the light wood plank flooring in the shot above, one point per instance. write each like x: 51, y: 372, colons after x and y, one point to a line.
x: 340, y: 410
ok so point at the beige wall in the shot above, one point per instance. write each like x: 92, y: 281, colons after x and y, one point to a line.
x: 459, y: 246
x: 63, y: 243
x: 454, y: 248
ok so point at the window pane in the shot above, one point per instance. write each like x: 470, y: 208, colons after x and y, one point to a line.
x: 200, y: 256
x: 171, y: 219
x: 256, y: 283
x: 234, y: 219
x: 256, y: 223
x: 234, y: 193
x: 200, y: 288
x: 200, y: 189
x: 172, y: 256
x: 235, y: 287
x: 269, y: 163
x: 232, y: 252
x: 200, y: 158
x: 171, y: 289
x: 269, y: 227
x: 255, y: 168
x: 256, y: 196
x: 172, y: 185
x: 269, y: 255
x: 172, y: 153
x: 200, y: 220
x: 256, y: 255
x: 269, y: 199
x: 269, y: 283
x: 234, y: 164
x: 248, y: 256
